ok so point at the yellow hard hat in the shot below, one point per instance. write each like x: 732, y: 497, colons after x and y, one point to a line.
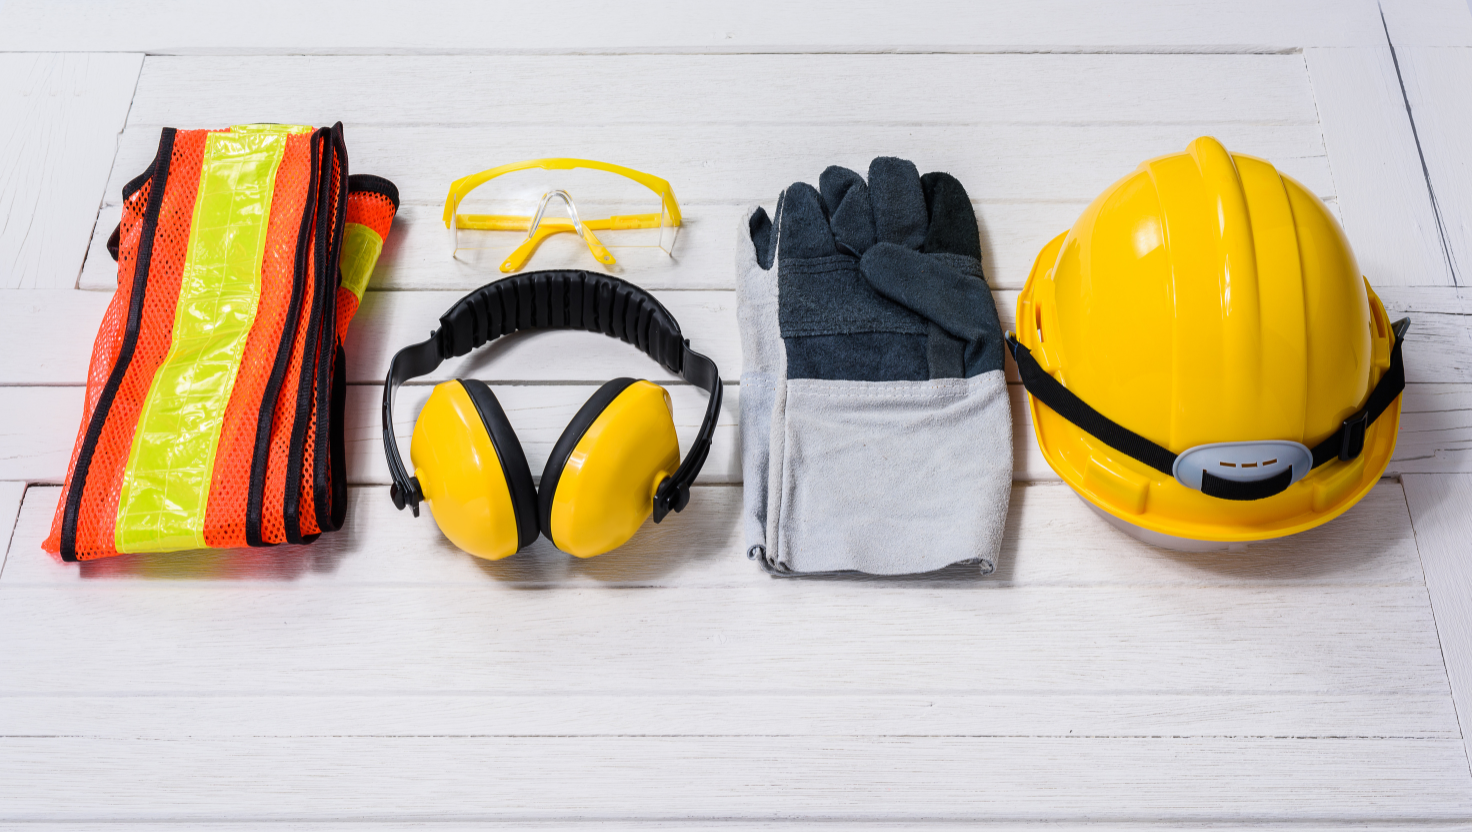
x: 1203, y: 358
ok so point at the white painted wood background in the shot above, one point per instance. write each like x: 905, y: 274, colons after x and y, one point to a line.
x: 382, y: 678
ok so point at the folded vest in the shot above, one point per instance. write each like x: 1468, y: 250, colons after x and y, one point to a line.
x: 215, y: 395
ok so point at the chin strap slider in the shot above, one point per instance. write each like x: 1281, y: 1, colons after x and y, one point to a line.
x: 1353, y: 441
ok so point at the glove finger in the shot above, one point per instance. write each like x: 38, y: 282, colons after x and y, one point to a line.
x: 899, y: 203
x: 953, y: 228
x: 804, y: 229
x: 763, y: 240
x: 850, y: 213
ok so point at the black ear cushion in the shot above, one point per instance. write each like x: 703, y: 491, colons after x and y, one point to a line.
x: 586, y: 415
x: 513, y: 460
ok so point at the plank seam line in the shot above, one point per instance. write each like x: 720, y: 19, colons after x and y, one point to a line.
x: 117, y: 144
x: 801, y: 49
x: 10, y: 537
x: 1431, y: 602
x: 1446, y: 251
x: 128, y: 737
x: 771, y: 819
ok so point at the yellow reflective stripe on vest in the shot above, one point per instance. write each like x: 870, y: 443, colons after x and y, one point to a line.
x: 361, y: 246
x: 167, y: 479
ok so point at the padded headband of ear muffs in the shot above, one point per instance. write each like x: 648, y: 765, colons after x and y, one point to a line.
x: 562, y: 299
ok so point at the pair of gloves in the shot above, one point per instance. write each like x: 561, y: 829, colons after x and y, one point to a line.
x: 875, y: 424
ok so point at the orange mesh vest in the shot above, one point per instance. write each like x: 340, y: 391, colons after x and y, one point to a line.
x: 215, y: 395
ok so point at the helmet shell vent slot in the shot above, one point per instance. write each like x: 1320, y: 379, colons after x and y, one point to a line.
x: 1243, y: 461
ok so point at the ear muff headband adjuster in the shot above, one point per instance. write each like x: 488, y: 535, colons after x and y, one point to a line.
x: 557, y: 299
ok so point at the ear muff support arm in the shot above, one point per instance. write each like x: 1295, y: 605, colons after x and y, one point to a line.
x: 674, y: 493
x: 558, y: 299
x: 1345, y: 443
x: 410, y: 362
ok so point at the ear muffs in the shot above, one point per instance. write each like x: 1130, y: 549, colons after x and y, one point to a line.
x: 473, y: 472
x: 599, y: 483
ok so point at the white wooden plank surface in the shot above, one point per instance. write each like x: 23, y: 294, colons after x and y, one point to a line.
x: 1414, y: 23
x: 1301, y: 639
x: 58, y: 135
x: 752, y: 89
x: 716, y: 145
x: 1440, y: 506
x: 583, y: 26
x: 738, y: 164
x: 1436, y: 82
x: 734, y: 825
x: 822, y: 778
x: 1053, y: 541
x: 1383, y: 199
x: 165, y: 716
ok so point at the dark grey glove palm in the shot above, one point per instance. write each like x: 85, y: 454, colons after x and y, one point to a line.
x: 884, y: 444
x: 882, y: 281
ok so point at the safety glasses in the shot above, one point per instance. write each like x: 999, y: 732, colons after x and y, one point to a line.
x: 518, y: 207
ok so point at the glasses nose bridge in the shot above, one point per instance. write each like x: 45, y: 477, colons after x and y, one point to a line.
x: 572, y: 212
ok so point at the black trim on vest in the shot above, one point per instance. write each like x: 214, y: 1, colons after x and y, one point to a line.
x: 160, y: 172
x: 260, y: 459
x: 368, y: 183
x: 307, y: 376
x: 328, y: 370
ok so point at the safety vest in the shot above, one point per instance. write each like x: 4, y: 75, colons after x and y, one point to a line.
x: 215, y: 394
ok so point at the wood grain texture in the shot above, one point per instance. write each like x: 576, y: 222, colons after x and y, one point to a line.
x: 1413, y: 23
x: 1383, y: 199
x: 763, y: 637
x: 737, y: 825
x: 743, y: 163
x: 1052, y: 540
x: 380, y: 27
x: 1440, y: 506
x: 165, y: 716
x: 1436, y: 81
x: 823, y: 778
x: 58, y: 136
x: 773, y: 90
x: 1021, y: 124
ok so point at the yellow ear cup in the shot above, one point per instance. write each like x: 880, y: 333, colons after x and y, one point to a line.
x: 462, y: 476
x: 599, y: 484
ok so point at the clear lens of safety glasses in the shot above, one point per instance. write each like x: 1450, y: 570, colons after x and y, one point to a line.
x: 560, y: 210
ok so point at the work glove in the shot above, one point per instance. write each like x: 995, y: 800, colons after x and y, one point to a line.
x: 876, y: 431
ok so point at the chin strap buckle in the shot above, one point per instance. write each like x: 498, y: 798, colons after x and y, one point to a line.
x: 1353, y: 441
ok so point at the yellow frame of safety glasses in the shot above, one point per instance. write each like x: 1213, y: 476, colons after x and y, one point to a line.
x: 539, y: 229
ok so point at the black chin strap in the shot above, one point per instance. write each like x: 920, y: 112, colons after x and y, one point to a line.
x: 1345, y: 443
x: 558, y: 299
